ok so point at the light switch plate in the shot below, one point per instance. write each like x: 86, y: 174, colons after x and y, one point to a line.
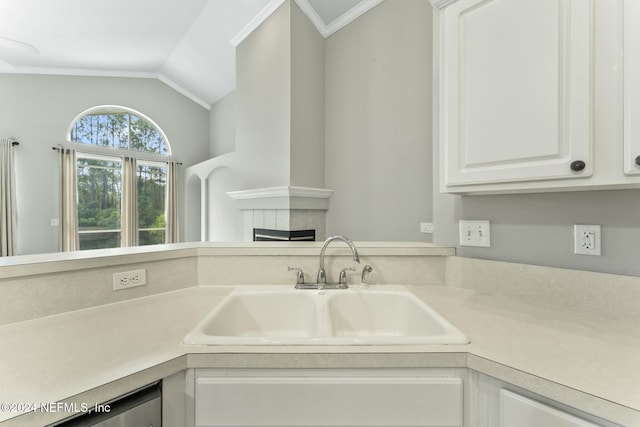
x: 475, y: 233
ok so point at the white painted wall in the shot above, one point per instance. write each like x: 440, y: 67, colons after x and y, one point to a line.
x: 38, y: 110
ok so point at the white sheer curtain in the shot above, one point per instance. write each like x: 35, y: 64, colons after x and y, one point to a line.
x: 8, y: 216
x: 171, y: 224
x: 69, y: 240
x: 129, y: 212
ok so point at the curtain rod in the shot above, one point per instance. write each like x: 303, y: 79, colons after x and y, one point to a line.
x: 58, y: 148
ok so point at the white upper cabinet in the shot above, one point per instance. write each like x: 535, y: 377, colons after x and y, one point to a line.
x: 530, y: 95
x: 515, y: 90
x: 632, y: 86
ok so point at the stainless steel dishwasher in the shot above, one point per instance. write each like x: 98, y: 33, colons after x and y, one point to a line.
x: 140, y: 408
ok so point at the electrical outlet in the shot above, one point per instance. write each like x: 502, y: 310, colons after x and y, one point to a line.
x: 587, y: 239
x: 475, y: 233
x: 129, y: 279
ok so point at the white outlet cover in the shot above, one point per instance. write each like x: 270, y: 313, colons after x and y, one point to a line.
x: 587, y: 239
x: 129, y: 279
x: 426, y: 227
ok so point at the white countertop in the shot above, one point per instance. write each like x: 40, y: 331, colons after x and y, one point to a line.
x: 94, y: 354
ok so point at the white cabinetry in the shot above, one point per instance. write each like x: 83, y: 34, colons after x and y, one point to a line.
x: 632, y: 87
x: 515, y: 90
x: 274, y: 397
x: 519, y: 411
x: 530, y: 96
x: 499, y: 404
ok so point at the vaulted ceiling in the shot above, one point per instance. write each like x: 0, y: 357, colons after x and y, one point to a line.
x: 188, y: 44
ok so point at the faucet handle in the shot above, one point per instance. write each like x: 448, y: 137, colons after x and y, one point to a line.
x: 342, y: 279
x: 364, y: 281
x: 299, y: 275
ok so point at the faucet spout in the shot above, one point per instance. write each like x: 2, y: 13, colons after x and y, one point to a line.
x: 322, y: 274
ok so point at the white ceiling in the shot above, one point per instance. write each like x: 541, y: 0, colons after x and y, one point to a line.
x: 188, y: 44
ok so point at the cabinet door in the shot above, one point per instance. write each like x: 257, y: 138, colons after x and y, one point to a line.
x: 632, y: 87
x: 519, y: 411
x: 515, y: 90
x: 328, y: 401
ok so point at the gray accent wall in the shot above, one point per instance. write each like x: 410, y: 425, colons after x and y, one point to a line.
x: 307, y: 102
x: 378, y: 159
x: 538, y: 228
x: 222, y: 128
x: 378, y: 123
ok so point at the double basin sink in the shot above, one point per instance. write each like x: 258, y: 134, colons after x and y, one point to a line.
x: 279, y: 315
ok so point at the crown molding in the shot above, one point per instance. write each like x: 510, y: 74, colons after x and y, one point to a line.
x: 183, y: 91
x: 441, y: 4
x: 324, y: 29
x: 343, y: 20
x: 266, y: 11
x: 76, y: 72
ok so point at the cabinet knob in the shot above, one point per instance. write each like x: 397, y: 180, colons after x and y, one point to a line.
x: 579, y: 165
x: 638, y: 160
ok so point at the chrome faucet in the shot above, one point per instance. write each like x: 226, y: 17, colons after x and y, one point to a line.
x: 322, y: 274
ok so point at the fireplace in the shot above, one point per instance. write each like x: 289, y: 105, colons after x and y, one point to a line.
x: 266, y: 234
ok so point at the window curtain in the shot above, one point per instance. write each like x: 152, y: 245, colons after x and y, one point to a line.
x: 171, y: 223
x: 69, y: 240
x: 129, y: 206
x: 8, y: 214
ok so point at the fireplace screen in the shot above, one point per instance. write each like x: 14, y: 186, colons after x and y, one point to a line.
x: 265, y: 234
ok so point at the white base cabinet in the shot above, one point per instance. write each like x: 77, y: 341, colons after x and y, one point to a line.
x: 500, y: 404
x: 520, y: 411
x: 428, y: 397
x: 348, y: 397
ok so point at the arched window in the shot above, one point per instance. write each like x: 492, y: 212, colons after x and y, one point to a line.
x: 121, y: 178
x: 119, y: 127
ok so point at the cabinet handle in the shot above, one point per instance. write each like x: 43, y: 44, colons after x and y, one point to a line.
x: 638, y: 161
x: 579, y: 165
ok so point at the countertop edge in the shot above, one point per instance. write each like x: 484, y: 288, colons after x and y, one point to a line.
x: 263, y: 359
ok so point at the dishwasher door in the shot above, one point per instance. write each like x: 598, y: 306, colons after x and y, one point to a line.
x: 142, y: 408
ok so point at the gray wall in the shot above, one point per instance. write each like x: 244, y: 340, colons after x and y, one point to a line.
x: 538, y: 228
x: 222, y: 126
x: 263, y: 102
x: 378, y: 123
x: 378, y: 155
x: 279, y: 118
x: 38, y: 110
x: 307, y: 102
